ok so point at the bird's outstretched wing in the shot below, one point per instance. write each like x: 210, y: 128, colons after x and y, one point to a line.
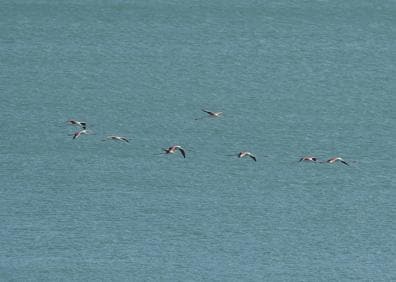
x: 182, y: 151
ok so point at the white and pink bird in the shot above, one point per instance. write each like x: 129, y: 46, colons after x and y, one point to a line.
x: 81, y: 132
x: 246, y: 154
x: 81, y: 124
x: 337, y: 159
x: 173, y: 149
x: 308, y: 159
x: 211, y: 114
x: 116, y: 138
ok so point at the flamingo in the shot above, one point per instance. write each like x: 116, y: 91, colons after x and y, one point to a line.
x: 81, y: 124
x: 211, y: 114
x: 81, y: 132
x: 244, y: 154
x: 173, y: 149
x: 336, y: 159
x: 308, y: 159
x: 116, y: 138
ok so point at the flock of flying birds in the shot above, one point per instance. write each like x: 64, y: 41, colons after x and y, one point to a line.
x: 175, y: 148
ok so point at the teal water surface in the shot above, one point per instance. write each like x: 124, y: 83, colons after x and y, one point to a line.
x: 293, y: 78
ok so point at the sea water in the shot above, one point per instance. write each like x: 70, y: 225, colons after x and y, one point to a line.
x: 293, y: 78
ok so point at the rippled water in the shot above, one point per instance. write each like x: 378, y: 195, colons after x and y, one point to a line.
x: 293, y: 78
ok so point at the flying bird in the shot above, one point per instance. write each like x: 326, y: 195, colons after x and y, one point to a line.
x: 116, y: 138
x: 244, y: 154
x: 81, y: 124
x: 336, y: 159
x: 308, y: 159
x: 211, y: 114
x: 81, y: 132
x: 173, y: 149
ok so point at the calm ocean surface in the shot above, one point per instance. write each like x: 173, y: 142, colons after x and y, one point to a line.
x: 293, y: 78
